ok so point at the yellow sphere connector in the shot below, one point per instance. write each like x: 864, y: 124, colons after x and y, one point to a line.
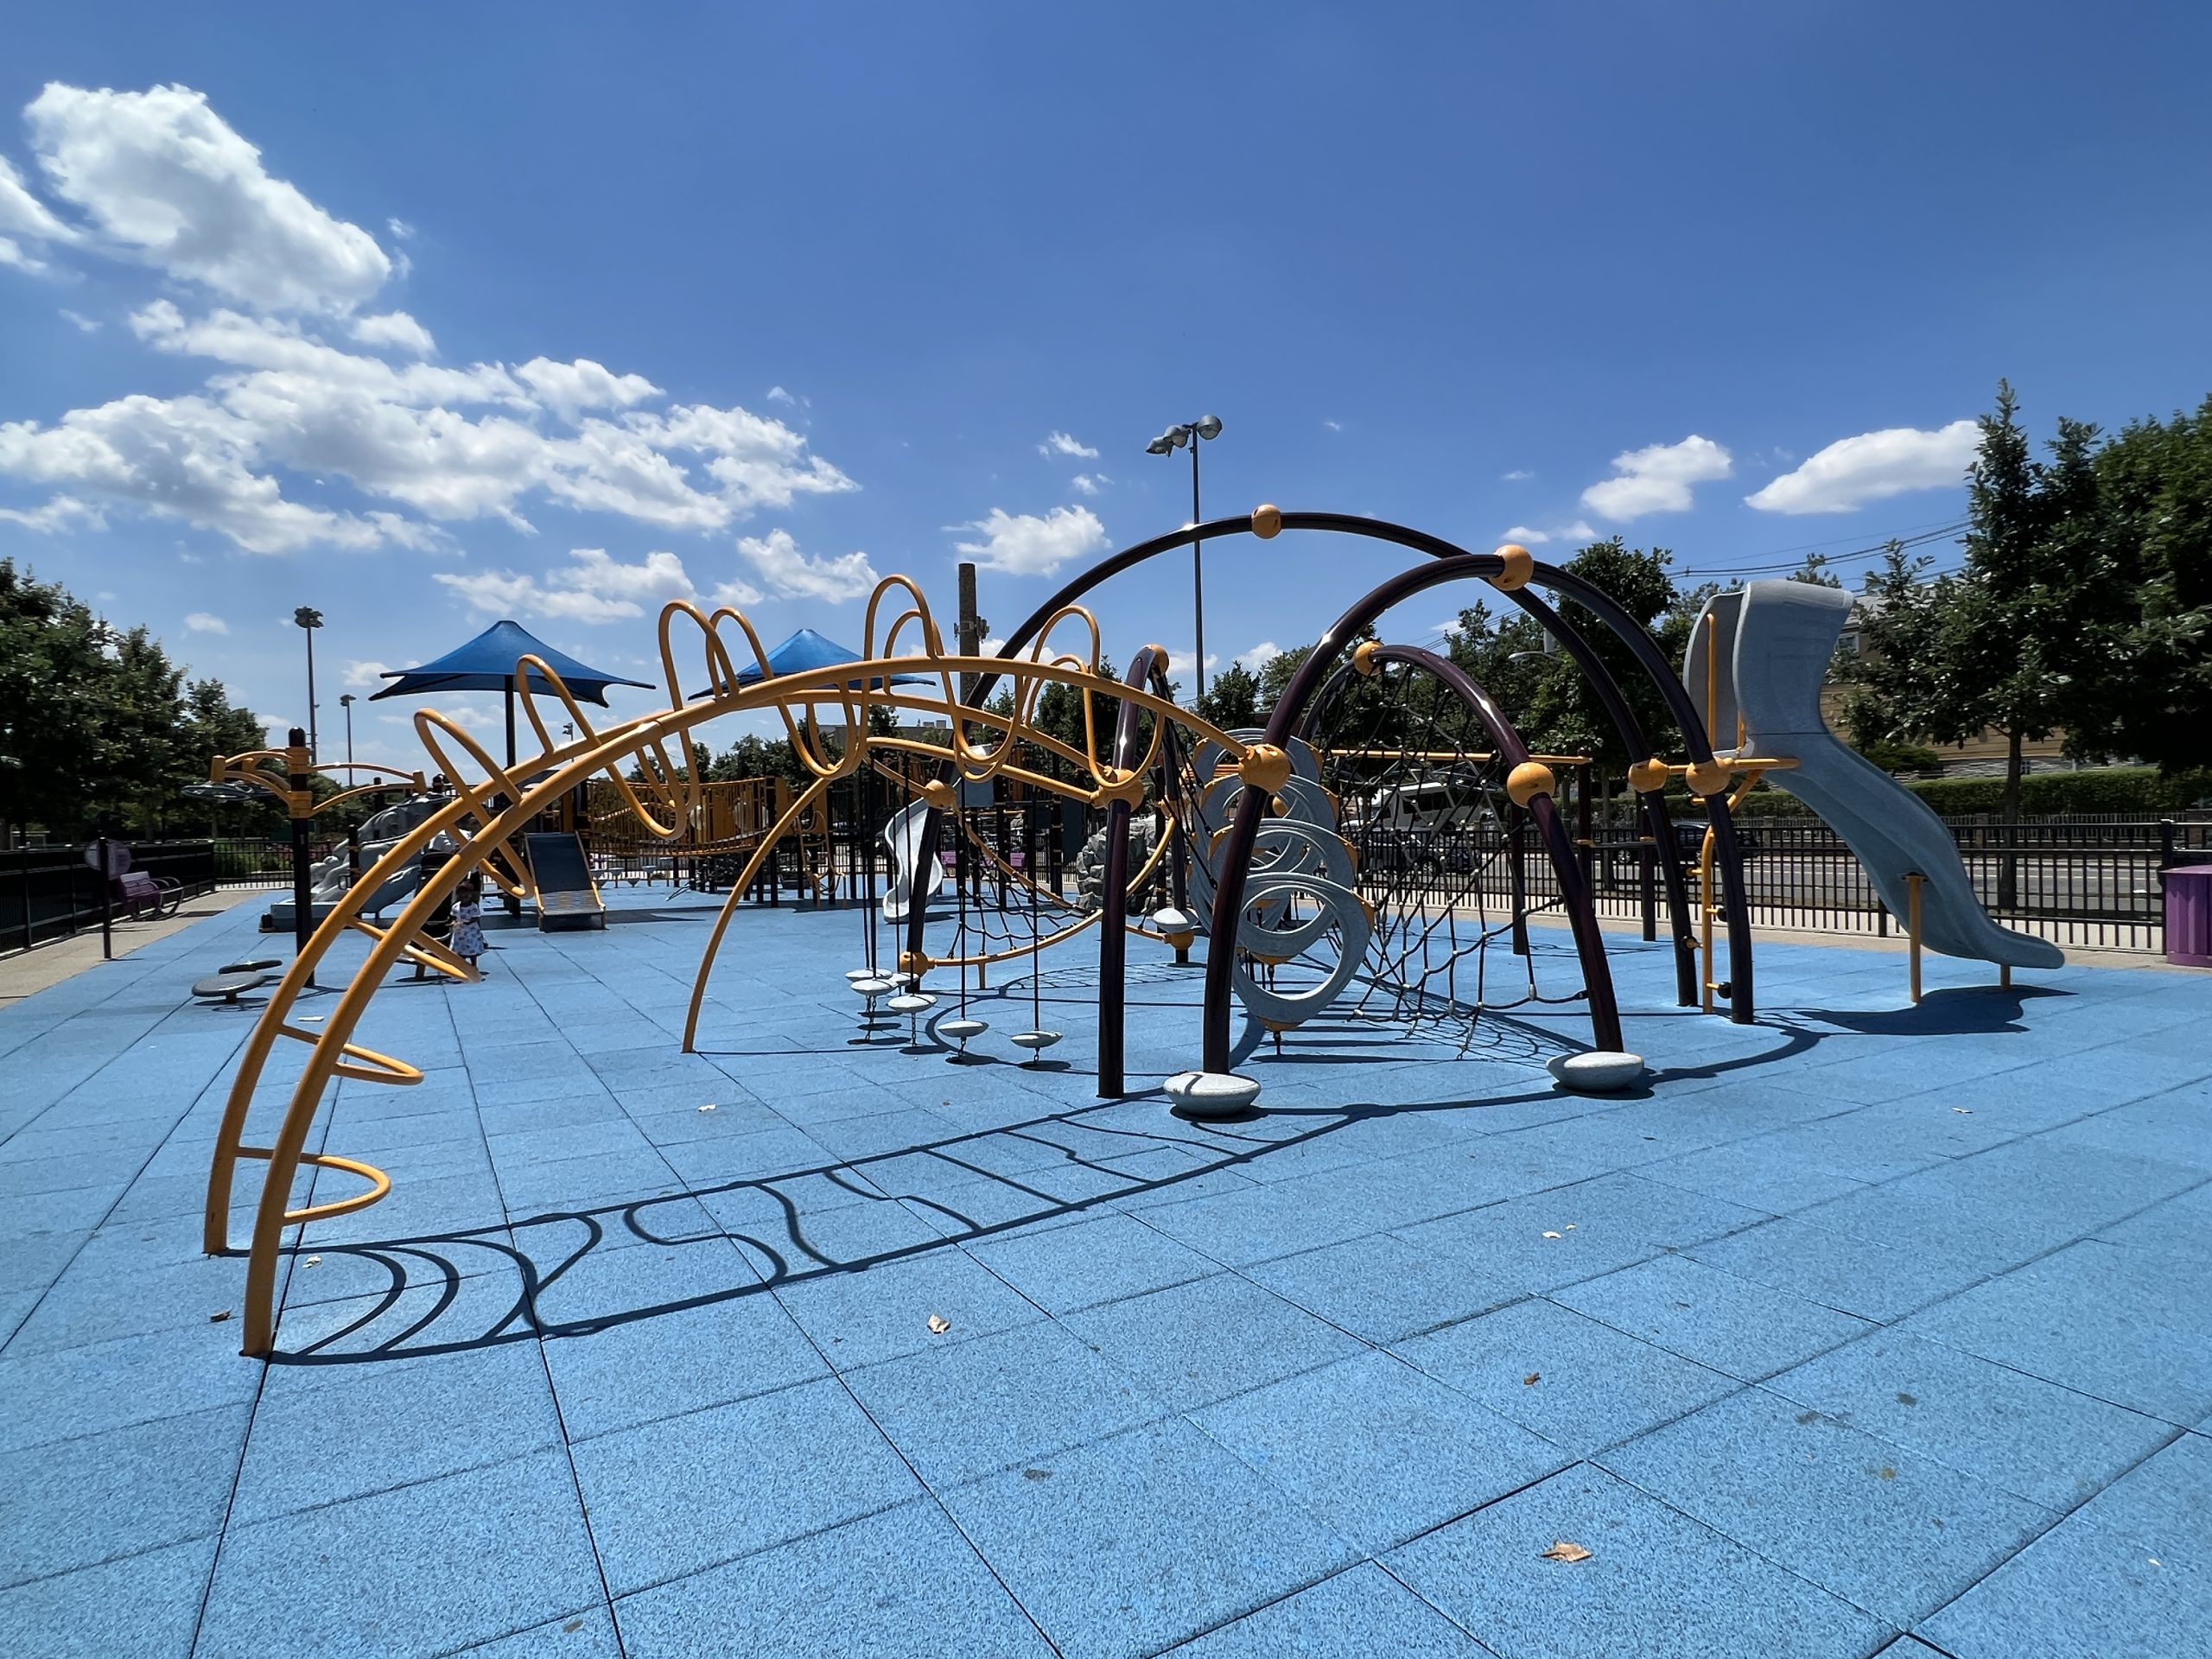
x: 1264, y: 766
x: 1527, y: 780
x: 1709, y: 778
x: 1646, y: 777
x: 1267, y: 522
x: 1363, y: 655
x: 938, y: 793
x: 914, y: 962
x: 1520, y: 565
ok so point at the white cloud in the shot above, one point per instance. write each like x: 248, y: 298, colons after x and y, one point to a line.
x: 1025, y: 545
x: 164, y: 182
x: 1519, y: 475
x: 790, y: 573
x: 1334, y: 426
x: 82, y: 323
x: 1180, y: 662
x: 61, y: 512
x: 592, y: 588
x: 1089, y: 483
x: 206, y: 622
x: 402, y: 432
x: 1873, y: 467
x: 568, y: 389
x: 359, y: 673
x: 777, y: 395
x: 1528, y: 536
x: 23, y: 215
x: 396, y: 329
x: 1657, y: 478
x: 163, y: 178
x: 1059, y: 443
x: 1259, y: 656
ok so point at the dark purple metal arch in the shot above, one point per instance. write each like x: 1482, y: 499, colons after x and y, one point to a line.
x: 1543, y: 811
x: 1229, y: 895
x: 1695, y: 741
x: 1147, y: 665
x: 1657, y: 817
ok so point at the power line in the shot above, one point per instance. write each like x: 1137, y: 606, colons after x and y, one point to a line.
x: 1941, y: 533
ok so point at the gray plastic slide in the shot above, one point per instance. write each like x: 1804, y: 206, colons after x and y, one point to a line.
x: 1774, y: 641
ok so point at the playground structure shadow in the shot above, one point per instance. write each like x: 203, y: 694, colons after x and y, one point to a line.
x: 425, y: 1274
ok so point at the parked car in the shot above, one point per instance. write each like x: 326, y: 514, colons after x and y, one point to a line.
x: 1689, y: 838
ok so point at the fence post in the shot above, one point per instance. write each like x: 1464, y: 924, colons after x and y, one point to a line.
x: 1647, y: 863
x: 107, y: 906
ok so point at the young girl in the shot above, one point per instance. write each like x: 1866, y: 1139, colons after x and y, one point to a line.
x: 469, y: 923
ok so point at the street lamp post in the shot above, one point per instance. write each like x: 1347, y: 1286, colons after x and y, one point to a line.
x: 308, y: 618
x: 346, y: 703
x: 1175, y: 437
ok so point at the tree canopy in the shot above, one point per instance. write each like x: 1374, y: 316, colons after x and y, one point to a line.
x: 99, y: 727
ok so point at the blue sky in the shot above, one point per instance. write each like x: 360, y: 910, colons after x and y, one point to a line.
x: 394, y: 317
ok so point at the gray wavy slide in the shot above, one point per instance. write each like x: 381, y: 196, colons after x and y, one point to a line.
x: 1775, y: 640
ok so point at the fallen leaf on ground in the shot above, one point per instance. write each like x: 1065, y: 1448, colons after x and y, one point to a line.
x: 1552, y: 1235
x: 1532, y: 1379
x: 314, y: 1262
x: 572, y: 1627
x: 217, y: 1319
x: 708, y: 1107
x: 1561, y: 1550
x: 939, y: 1324
x: 1888, y: 1473
x: 1963, y: 1111
x: 1570, y: 1226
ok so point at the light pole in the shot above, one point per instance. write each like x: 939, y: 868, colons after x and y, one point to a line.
x: 1174, y: 438
x: 346, y: 703
x: 308, y: 618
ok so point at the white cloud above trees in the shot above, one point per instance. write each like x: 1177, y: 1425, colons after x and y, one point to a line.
x: 790, y: 573
x: 1872, y: 466
x: 1032, y: 544
x: 592, y: 588
x: 308, y: 384
x: 1658, y: 478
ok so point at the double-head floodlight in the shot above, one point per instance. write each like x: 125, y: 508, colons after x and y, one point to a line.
x: 1176, y: 437
x: 307, y: 617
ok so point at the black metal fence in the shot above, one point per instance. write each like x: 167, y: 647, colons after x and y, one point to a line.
x: 50, y: 893
x: 2077, y: 882
x: 257, y: 861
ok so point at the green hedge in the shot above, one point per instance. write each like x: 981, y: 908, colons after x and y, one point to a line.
x: 2042, y: 794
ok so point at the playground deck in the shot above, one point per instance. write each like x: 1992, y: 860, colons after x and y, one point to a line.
x: 1863, y: 1328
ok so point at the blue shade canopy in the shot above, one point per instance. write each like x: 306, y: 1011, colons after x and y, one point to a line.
x: 488, y: 663
x: 807, y: 651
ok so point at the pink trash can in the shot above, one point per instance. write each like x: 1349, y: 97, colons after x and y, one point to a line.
x: 2188, y: 916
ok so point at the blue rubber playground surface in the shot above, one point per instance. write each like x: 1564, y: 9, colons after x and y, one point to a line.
x: 1867, y: 1329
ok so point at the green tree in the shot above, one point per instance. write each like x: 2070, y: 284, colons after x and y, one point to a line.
x: 53, y: 672
x: 2150, y: 693
x: 97, y: 726
x: 1816, y: 570
x: 1233, y: 699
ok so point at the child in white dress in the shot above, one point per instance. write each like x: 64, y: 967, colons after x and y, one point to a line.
x: 469, y: 923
